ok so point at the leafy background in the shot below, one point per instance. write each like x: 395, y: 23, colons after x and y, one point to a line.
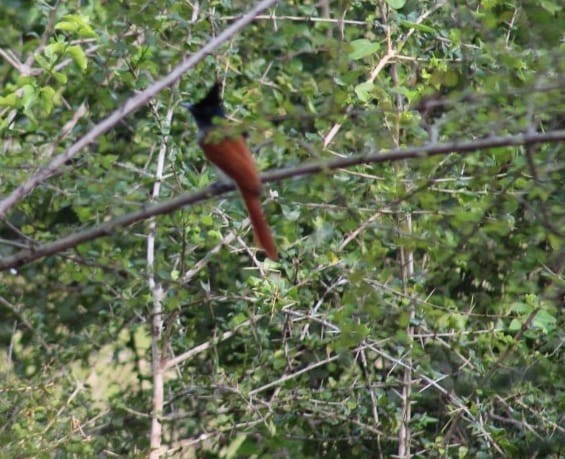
x: 416, y: 309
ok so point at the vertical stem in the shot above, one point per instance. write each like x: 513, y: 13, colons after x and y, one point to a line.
x: 157, y: 371
x: 158, y: 294
x: 407, y: 269
x: 405, y: 433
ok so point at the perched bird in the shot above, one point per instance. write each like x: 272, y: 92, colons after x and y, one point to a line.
x: 232, y: 156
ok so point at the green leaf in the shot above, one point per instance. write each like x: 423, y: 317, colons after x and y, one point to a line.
x: 78, y: 56
x: 11, y: 100
x: 77, y: 25
x: 396, y: 4
x: 416, y: 26
x: 29, y: 96
x: 60, y: 77
x: 107, y: 161
x: 550, y: 6
x: 43, y: 63
x: 545, y: 321
x: 362, y: 48
x: 54, y: 50
x: 231, y: 450
x: 207, y: 220
x: 363, y: 91
x: 48, y: 97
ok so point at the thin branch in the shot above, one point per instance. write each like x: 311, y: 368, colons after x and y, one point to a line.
x: 20, y: 315
x: 374, y: 402
x: 22, y: 68
x: 453, y: 398
x: 301, y: 316
x: 158, y: 295
x: 131, y: 105
x: 314, y: 19
x: 201, y: 264
x: 28, y: 255
x: 313, y: 311
x: 290, y: 376
x: 206, y: 345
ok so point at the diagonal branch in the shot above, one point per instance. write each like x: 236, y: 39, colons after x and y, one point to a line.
x: 131, y: 105
x: 179, y: 359
x: 28, y: 255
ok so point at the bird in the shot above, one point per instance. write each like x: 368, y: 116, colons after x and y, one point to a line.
x: 229, y: 153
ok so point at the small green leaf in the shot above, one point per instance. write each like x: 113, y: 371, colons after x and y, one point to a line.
x: 207, y: 220
x: 363, y: 91
x: 396, y: 4
x: 44, y: 63
x: 53, y: 50
x: 77, y: 25
x: 362, y: 48
x: 60, y: 77
x: 551, y: 7
x: 545, y: 321
x: 29, y: 96
x: 421, y: 27
x: 522, y: 308
x: 107, y: 161
x: 84, y: 213
x: 231, y: 450
x: 11, y: 100
x: 48, y: 97
x: 514, y: 325
x: 78, y: 56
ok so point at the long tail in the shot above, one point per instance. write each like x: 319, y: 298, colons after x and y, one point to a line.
x: 261, y: 228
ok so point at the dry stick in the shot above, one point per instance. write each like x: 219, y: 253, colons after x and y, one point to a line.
x: 313, y: 19
x: 289, y: 376
x: 128, y: 107
x: 158, y: 295
x: 406, y: 257
x: 374, y: 402
x: 179, y: 359
x: 28, y: 255
x: 200, y: 264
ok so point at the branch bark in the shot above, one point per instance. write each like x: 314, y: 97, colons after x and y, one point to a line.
x: 158, y: 295
x: 34, y: 253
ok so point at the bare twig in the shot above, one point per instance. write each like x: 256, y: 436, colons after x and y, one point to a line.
x: 158, y: 295
x: 21, y: 67
x: 374, y: 403
x: 313, y: 19
x: 206, y: 345
x: 290, y: 376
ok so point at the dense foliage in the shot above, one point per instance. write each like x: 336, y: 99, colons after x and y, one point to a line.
x: 416, y: 309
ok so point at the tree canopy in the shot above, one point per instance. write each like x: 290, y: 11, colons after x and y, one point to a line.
x: 415, y: 188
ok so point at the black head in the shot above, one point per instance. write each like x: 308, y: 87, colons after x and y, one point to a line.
x: 209, y: 107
